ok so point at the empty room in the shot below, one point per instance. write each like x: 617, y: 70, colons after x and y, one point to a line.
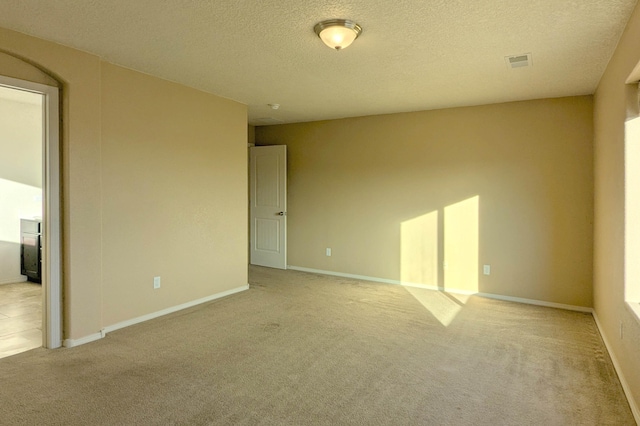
x: 278, y: 212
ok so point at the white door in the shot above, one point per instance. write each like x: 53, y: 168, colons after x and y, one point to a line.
x: 268, y: 205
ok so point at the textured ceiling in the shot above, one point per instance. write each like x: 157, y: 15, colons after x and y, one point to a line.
x: 412, y: 55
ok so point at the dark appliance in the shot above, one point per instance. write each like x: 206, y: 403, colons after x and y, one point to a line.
x: 31, y: 249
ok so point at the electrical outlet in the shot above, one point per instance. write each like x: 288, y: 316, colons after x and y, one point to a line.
x: 328, y: 251
x: 156, y: 282
x: 486, y: 269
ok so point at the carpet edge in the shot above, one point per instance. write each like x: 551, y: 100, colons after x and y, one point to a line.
x: 625, y: 386
x: 544, y: 303
x: 70, y: 343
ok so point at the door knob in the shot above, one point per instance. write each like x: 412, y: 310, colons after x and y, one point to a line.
x: 282, y: 214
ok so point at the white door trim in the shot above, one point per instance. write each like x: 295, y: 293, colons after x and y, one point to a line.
x: 52, y: 261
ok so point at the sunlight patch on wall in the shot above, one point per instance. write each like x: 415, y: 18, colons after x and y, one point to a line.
x: 419, y: 250
x: 461, y: 237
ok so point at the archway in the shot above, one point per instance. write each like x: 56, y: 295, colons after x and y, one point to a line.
x: 51, y: 217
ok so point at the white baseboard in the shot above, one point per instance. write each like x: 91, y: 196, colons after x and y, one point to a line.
x: 576, y: 308
x: 354, y: 276
x: 18, y: 279
x: 69, y: 343
x: 625, y: 385
x: 448, y: 290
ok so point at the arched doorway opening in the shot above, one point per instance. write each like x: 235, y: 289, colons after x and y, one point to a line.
x: 50, y: 230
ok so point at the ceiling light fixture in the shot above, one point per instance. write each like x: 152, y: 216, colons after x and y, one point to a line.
x: 337, y: 33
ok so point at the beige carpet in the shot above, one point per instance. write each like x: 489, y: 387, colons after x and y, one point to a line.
x: 306, y: 349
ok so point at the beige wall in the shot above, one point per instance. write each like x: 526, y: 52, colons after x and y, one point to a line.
x: 154, y: 183
x: 395, y: 196
x: 174, y: 194
x: 251, y: 134
x: 609, y: 126
x: 21, y: 137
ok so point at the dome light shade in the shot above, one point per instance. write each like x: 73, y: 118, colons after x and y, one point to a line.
x: 337, y: 33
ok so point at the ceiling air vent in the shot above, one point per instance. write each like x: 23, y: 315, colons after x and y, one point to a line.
x: 518, y: 61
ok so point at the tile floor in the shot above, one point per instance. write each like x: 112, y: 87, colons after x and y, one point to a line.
x: 20, y: 317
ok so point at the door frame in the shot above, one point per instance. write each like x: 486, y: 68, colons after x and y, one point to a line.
x: 52, y: 256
